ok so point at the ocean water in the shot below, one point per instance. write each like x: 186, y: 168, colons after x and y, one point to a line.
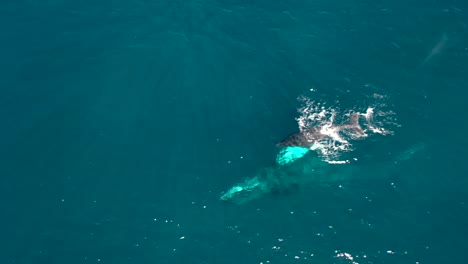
x: 123, y: 122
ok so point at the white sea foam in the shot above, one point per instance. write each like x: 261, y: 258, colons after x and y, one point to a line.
x: 333, y: 123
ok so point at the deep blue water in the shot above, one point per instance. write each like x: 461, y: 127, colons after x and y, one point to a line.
x: 123, y: 121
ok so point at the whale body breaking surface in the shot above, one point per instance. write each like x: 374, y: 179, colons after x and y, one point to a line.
x: 315, y: 153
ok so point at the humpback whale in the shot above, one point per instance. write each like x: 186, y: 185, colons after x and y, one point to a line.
x: 297, y: 165
x: 310, y: 169
x: 308, y: 137
x: 281, y: 178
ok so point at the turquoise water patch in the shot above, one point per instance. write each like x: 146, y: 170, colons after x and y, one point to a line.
x: 290, y: 154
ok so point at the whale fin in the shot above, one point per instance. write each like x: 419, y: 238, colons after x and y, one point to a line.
x: 354, y: 124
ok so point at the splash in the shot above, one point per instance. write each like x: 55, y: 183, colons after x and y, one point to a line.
x: 341, y: 128
x: 327, y: 130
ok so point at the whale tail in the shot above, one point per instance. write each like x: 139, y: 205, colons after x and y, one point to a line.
x: 354, y: 125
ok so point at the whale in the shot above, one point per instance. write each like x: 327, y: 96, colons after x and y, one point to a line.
x: 281, y: 178
x: 311, y: 170
x: 308, y: 137
x: 297, y: 165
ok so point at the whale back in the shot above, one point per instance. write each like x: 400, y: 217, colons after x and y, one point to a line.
x: 304, y: 139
